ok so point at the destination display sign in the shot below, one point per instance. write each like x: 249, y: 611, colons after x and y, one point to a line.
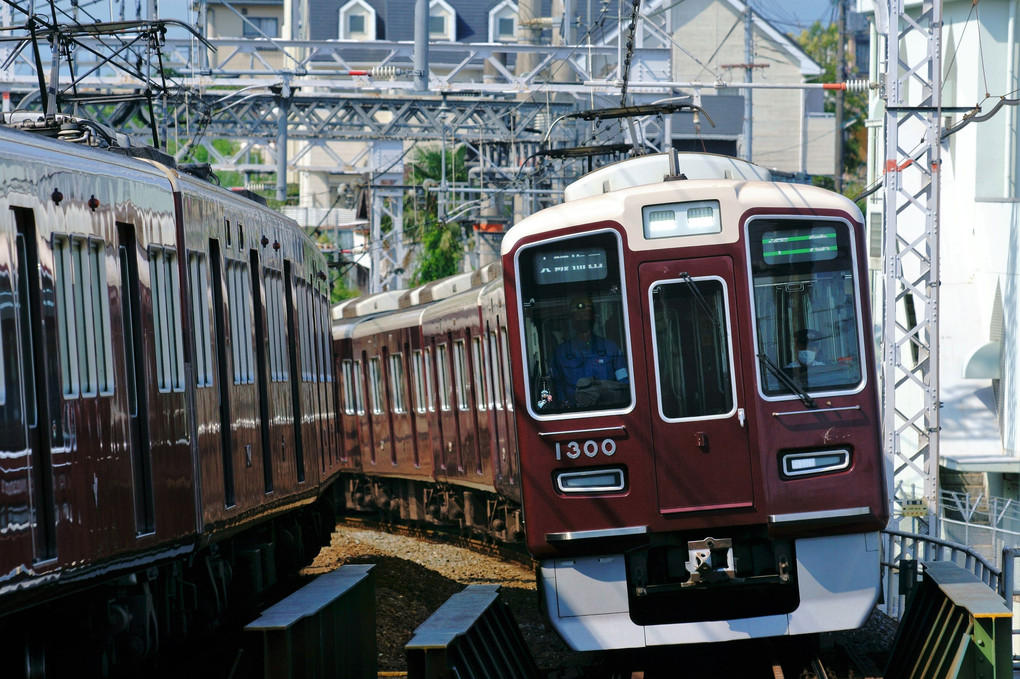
x: 562, y: 266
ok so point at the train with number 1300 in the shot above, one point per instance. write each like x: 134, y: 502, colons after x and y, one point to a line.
x: 666, y: 388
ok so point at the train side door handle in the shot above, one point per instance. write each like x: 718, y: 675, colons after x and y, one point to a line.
x: 741, y: 418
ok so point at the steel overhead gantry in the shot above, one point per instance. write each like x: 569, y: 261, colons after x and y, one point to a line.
x: 910, y: 256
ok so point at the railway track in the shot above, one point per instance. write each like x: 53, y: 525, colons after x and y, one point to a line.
x: 417, y: 569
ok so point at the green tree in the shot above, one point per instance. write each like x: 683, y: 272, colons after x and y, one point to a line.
x: 821, y: 44
x: 442, y: 245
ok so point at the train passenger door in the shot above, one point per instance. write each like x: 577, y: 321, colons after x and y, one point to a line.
x: 700, y: 443
x: 36, y: 386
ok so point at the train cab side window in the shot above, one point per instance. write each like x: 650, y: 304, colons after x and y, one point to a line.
x: 692, y: 350
x: 460, y: 375
x: 198, y: 269
x: 443, y: 377
x: 806, y: 305
x: 165, y: 283
x: 576, y: 339
x: 397, y: 391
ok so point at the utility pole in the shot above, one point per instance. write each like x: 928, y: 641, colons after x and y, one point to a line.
x: 748, y: 77
x: 421, y: 45
x: 840, y: 95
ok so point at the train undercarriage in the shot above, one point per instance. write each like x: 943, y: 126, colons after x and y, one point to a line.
x: 128, y: 624
x: 475, y: 513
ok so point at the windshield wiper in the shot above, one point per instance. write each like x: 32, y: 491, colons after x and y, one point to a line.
x: 794, y: 388
x: 702, y: 302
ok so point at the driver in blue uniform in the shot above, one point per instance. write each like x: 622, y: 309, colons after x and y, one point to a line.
x: 584, y: 355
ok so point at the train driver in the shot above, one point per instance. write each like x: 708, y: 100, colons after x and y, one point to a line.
x: 805, y: 342
x: 588, y: 369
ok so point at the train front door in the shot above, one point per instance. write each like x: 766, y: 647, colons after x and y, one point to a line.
x: 700, y: 442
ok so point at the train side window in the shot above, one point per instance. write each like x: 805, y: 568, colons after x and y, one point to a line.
x: 242, y: 347
x: 496, y: 389
x: 315, y: 347
x: 273, y: 308
x: 166, y: 294
x: 198, y: 269
x: 418, y: 381
x: 460, y: 375
x: 508, y: 394
x: 397, y: 390
x: 310, y: 341
x: 63, y: 282
x: 101, y: 315
x: 478, y: 366
x: 806, y: 304
x: 359, y: 389
x: 303, y: 339
x: 325, y: 337
x: 84, y: 315
x: 692, y: 350
x: 375, y: 385
x: 443, y: 376
x: 347, y: 384
x: 430, y: 391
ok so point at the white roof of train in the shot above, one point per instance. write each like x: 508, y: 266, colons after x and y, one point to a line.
x: 652, y: 169
x: 624, y: 206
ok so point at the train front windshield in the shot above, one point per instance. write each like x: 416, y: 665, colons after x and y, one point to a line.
x: 574, y: 326
x: 809, y: 336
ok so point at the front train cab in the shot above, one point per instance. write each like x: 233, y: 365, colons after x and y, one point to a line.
x: 696, y: 406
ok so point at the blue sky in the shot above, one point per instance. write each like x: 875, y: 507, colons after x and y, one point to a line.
x: 787, y: 15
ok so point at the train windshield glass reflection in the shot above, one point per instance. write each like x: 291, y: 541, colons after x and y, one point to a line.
x: 806, y: 305
x: 575, y: 337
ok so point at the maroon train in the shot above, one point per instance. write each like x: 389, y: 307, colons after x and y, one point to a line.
x: 710, y: 471
x: 167, y: 429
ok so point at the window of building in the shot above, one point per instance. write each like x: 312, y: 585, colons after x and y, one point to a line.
x: 260, y: 27
x: 442, y: 20
x: 357, y: 21
x: 503, y: 22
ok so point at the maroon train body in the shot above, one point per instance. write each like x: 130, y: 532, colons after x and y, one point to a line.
x: 427, y: 415
x: 717, y: 481
x: 165, y: 447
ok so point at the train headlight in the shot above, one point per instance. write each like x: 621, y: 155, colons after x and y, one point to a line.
x: 817, y: 462
x: 611, y: 480
x: 692, y: 218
